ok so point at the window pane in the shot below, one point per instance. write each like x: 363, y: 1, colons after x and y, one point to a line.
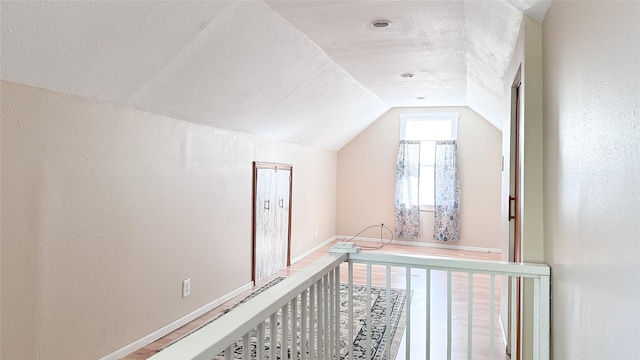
x: 427, y: 152
x: 427, y: 130
x: 426, y: 185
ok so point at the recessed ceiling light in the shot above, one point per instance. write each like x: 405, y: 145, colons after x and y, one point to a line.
x: 381, y: 23
x: 407, y: 75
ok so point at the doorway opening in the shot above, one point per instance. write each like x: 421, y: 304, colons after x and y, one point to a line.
x: 272, y: 185
x: 515, y: 214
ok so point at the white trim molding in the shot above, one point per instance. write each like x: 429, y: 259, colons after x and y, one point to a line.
x: 423, y: 244
x: 148, y: 339
x: 450, y: 116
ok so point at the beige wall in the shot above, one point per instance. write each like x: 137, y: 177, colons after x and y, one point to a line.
x: 0, y: 235
x: 106, y: 209
x: 527, y: 59
x: 592, y: 172
x: 366, y: 179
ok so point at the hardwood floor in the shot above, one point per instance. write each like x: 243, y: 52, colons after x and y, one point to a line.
x: 438, y: 349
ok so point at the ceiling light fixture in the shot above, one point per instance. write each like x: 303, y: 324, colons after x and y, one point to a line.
x: 381, y: 23
x: 420, y: 98
x: 407, y: 75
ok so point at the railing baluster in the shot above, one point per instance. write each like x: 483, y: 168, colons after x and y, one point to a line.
x: 320, y: 329
x: 368, y: 351
x: 492, y: 315
x: 514, y: 316
x: 388, y: 312
x: 408, y: 313
x: 428, y: 305
x: 449, y: 314
x: 228, y: 352
x: 273, y: 341
x: 337, y: 311
x: 331, y: 311
x: 260, y: 341
x: 312, y: 320
x: 284, y: 340
x: 303, y: 325
x: 294, y: 328
x: 544, y: 317
x: 325, y: 335
x: 246, y: 348
x: 536, y: 320
x: 350, y: 320
x: 470, y: 318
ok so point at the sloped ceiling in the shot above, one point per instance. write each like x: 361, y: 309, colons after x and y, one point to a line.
x: 309, y: 72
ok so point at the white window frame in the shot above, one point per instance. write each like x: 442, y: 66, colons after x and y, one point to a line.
x: 453, y: 117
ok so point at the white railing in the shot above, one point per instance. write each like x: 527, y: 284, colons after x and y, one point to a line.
x: 453, y: 273
x: 311, y: 290
x: 302, y: 313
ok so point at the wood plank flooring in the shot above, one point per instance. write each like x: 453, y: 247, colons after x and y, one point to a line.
x: 438, y: 349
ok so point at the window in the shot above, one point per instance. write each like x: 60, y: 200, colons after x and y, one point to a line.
x: 428, y: 128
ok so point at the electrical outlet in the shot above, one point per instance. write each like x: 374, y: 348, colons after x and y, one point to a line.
x: 186, y: 288
x: 316, y: 231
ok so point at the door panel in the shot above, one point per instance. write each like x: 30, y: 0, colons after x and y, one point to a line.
x: 272, y: 187
x: 282, y: 213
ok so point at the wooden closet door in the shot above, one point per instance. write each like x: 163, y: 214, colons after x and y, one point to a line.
x: 271, y: 220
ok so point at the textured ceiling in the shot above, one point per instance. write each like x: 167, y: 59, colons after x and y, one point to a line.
x: 309, y: 72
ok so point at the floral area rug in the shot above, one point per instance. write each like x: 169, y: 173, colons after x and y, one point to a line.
x: 379, y: 328
x: 378, y: 321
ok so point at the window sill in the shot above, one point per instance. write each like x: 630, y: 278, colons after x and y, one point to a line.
x: 426, y: 208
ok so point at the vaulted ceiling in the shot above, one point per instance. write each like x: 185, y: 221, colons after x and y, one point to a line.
x: 310, y: 72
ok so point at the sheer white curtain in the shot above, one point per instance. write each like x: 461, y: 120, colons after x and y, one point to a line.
x: 407, y: 205
x: 447, y: 192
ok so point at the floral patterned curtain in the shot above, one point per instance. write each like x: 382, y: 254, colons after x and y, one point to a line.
x: 407, y: 184
x: 447, y: 192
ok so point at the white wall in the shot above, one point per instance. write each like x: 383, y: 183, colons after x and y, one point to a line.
x: 592, y: 169
x: 106, y: 209
x: 366, y: 179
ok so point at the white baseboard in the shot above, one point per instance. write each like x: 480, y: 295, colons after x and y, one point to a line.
x: 423, y: 244
x: 148, y: 339
x: 312, y: 250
